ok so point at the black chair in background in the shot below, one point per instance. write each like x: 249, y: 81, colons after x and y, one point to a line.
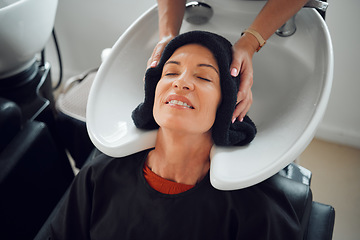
x: 34, y: 173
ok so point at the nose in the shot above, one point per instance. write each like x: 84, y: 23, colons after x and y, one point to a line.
x: 183, y: 82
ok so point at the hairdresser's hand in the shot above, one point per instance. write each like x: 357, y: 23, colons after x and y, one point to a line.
x: 243, y: 51
x: 158, y: 50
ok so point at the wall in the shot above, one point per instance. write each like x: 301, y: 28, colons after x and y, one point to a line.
x: 341, y: 122
x: 85, y: 27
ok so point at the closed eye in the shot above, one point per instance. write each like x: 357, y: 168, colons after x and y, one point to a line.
x: 171, y: 74
x: 208, y: 80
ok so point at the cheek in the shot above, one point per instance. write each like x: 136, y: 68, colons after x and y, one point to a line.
x: 157, y: 99
x: 215, y: 99
x: 212, y: 102
x: 160, y: 91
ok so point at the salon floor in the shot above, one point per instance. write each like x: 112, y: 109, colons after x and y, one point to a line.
x: 336, y: 181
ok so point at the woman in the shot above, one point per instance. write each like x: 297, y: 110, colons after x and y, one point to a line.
x: 165, y: 192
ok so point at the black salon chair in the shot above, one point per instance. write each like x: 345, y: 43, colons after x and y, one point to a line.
x: 34, y: 173
x: 317, y: 219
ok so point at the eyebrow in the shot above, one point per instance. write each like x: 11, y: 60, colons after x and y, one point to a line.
x: 173, y: 62
x: 208, y: 65
x: 199, y: 65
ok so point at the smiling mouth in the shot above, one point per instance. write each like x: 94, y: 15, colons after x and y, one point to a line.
x: 180, y: 103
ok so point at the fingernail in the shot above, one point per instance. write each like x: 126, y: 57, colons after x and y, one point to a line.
x: 241, y: 119
x: 234, y: 72
x: 153, y: 64
x: 234, y: 119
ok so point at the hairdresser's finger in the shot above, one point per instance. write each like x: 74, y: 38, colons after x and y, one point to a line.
x: 248, y: 101
x: 235, y: 66
x: 156, y: 55
x: 242, y: 108
x: 246, y: 82
x: 158, y: 50
x: 244, y: 95
x: 239, y: 57
x: 237, y: 62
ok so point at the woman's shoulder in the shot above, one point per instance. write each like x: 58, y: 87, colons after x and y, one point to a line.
x: 101, y: 164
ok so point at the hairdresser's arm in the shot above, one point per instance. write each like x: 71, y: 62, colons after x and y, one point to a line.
x: 171, y: 13
x: 274, y: 14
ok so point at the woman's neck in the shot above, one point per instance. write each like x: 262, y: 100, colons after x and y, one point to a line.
x: 182, y: 158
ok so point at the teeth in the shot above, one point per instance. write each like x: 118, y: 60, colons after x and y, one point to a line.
x: 180, y: 103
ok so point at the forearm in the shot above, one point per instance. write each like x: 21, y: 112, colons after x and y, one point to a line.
x: 274, y: 14
x: 171, y: 13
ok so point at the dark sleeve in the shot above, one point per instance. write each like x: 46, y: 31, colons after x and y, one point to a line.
x: 73, y: 218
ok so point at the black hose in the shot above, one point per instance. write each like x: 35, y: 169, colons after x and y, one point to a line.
x: 42, y: 63
x: 60, y: 62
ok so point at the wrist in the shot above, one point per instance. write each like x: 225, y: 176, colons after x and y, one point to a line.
x: 248, y: 43
x: 257, y: 39
x: 168, y: 35
x: 166, y: 38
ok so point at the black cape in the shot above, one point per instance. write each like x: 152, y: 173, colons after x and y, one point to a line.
x: 110, y: 199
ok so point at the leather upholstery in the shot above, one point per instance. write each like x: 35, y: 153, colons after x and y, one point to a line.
x: 321, y: 223
x: 10, y: 121
x: 34, y: 175
x: 299, y: 195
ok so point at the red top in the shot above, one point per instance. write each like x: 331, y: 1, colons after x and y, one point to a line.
x: 163, y: 185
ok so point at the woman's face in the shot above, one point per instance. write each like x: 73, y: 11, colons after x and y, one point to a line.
x: 188, y: 94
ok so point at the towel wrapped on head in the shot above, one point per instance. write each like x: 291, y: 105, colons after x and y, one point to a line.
x: 224, y: 132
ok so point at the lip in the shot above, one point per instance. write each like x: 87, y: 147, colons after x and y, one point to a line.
x: 179, y: 98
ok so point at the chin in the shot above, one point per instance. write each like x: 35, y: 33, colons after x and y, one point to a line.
x: 182, y: 126
x: 173, y: 123
x: 182, y: 121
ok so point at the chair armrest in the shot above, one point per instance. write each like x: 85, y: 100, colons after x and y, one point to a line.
x: 321, y: 224
x: 10, y: 121
x: 299, y: 195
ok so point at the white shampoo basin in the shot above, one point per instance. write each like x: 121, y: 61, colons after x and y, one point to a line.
x: 292, y: 83
x: 25, y: 27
